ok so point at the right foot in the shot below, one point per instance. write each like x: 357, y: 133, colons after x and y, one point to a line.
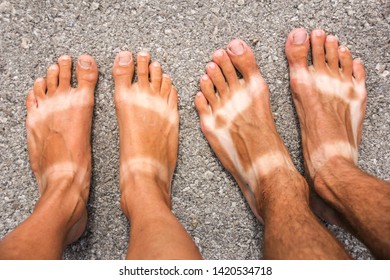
x: 148, y: 122
x: 58, y: 123
x: 238, y: 123
x: 330, y: 99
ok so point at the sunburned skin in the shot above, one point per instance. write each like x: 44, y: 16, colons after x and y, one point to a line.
x: 58, y: 123
x: 148, y: 121
x: 238, y: 123
x: 329, y: 94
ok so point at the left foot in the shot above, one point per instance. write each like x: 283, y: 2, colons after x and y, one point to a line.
x: 237, y: 121
x: 58, y: 125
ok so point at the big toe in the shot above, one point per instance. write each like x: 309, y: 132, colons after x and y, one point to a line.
x: 243, y: 58
x: 86, y: 72
x: 297, y: 47
x: 123, y: 70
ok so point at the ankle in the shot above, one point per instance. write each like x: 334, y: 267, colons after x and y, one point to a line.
x: 284, y: 188
x: 143, y: 193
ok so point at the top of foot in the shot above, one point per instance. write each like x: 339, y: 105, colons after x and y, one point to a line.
x: 237, y: 120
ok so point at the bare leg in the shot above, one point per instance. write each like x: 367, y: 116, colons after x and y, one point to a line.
x: 58, y: 137
x: 238, y: 123
x: 330, y: 98
x: 148, y: 122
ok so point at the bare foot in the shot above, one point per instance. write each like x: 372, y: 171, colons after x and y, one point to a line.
x: 58, y: 125
x: 238, y: 123
x: 330, y: 98
x: 148, y: 122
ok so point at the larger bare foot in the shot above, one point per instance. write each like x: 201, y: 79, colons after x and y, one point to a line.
x: 58, y: 124
x: 330, y: 99
x: 238, y: 123
x: 148, y: 122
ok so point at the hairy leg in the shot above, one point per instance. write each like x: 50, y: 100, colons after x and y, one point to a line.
x: 148, y: 122
x: 238, y: 123
x: 330, y: 98
x: 58, y: 138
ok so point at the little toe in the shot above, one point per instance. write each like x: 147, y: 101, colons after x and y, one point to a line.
x: 173, y: 98
x: 155, y: 76
x: 332, y: 53
x: 86, y: 72
x: 123, y: 70
x: 31, y: 101
x: 216, y: 76
x: 222, y: 59
x: 243, y: 59
x: 143, y: 59
x: 166, y: 85
x: 52, y: 79
x: 201, y: 104
x: 207, y: 88
x: 297, y: 48
x: 40, y: 89
x: 358, y: 71
x: 318, y: 48
x: 345, y: 62
x: 65, y: 64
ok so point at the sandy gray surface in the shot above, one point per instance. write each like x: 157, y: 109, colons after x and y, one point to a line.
x: 181, y: 35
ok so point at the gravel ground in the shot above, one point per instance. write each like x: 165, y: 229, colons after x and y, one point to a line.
x: 181, y: 35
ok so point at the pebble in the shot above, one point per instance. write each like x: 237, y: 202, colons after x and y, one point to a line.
x: 95, y: 6
x: 208, y: 175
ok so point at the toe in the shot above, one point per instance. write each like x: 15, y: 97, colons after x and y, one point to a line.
x: 207, y: 88
x: 155, y: 76
x: 65, y: 64
x: 31, y: 101
x: 173, y: 98
x: 143, y: 59
x: 52, y: 79
x: 297, y: 48
x: 40, y: 89
x: 123, y: 70
x: 358, y: 71
x: 201, y: 104
x: 332, y: 53
x: 222, y: 59
x: 216, y: 76
x: 345, y: 62
x: 318, y: 48
x: 243, y: 59
x: 86, y: 72
x: 166, y: 85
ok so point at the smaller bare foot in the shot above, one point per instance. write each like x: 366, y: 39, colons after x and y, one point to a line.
x: 148, y: 122
x: 330, y: 99
x: 58, y: 125
x: 238, y: 123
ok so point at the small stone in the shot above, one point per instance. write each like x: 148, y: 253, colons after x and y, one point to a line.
x: 208, y: 175
x: 215, y: 10
x: 95, y: 6
x: 26, y: 43
x: 384, y: 74
x: 6, y: 7
x: 241, y: 2
x: 380, y: 68
x: 167, y: 31
x: 194, y: 223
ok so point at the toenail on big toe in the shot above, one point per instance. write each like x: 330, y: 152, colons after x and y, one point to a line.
x: 124, y: 60
x: 85, y: 64
x: 300, y: 37
x: 236, y: 47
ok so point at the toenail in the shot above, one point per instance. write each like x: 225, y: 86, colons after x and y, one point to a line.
x: 53, y: 67
x: 143, y: 53
x: 219, y: 53
x: 319, y: 32
x: 199, y: 93
x: 237, y: 47
x: 359, y: 60
x: 156, y: 64
x: 205, y: 77
x: 211, y: 65
x: 85, y: 64
x: 343, y: 49
x: 331, y: 38
x: 65, y: 57
x: 124, y: 60
x: 299, y: 37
